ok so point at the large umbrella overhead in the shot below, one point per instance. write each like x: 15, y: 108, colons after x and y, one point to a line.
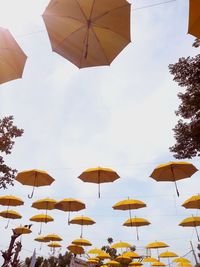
x: 136, y: 222
x: 99, y: 175
x: 70, y: 205
x: 12, y: 58
x: 10, y: 214
x: 82, y: 220
x: 88, y: 33
x: 34, y: 178
x: 173, y: 171
x: 42, y: 218
x: 193, y: 221
x: 81, y: 242
x: 76, y: 249
x: 192, y: 202
x: 194, y: 18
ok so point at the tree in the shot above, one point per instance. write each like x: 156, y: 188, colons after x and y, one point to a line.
x: 187, y: 131
x: 8, y: 132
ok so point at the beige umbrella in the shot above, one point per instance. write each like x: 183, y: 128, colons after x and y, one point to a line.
x: 88, y: 33
x: 12, y: 58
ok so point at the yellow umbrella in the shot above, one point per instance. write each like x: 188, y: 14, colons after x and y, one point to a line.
x: 95, y: 251
x: 184, y: 264
x: 41, y: 239
x: 121, y: 245
x: 194, y: 18
x: 10, y: 214
x: 158, y: 263
x: 44, y: 204
x: 168, y: 254
x: 34, y: 178
x: 99, y: 175
x: 103, y: 256
x: 123, y: 259
x: 136, y: 222
x: 88, y: 33
x: 22, y: 230
x: 157, y: 244
x: 82, y: 220
x: 54, y: 245
x: 70, y: 204
x: 92, y: 261
x: 42, y: 218
x: 112, y: 263
x: 173, y: 171
x: 76, y: 249
x: 12, y: 58
x: 149, y: 259
x: 192, y: 202
x: 81, y: 242
x: 181, y: 260
x: 136, y: 263
x: 193, y: 221
x: 10, y: 201
x: 53, y: 237
x: 131, y: 254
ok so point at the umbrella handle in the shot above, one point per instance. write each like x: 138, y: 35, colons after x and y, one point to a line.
x: 176, y: 188
x: 30, y: 196
x: 99, y: 190
x: 40, y: 231
x: 137, y: 233
x: 68, y: 218
x: 7, y: 224
x: 81, y: 236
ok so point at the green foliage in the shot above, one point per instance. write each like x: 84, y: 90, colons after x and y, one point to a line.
x: 187, y: 131
x: 8, y: 132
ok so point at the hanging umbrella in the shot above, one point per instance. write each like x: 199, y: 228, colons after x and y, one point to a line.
x: 194, y: 18
x: 10, y: 201
x: 95, y: 251
x: 12, y: 58
x: 88, y: 33
x: 149, y: 259
x: 10, y: 214
x: 22, y: 230
x: 99, y: 175
x: 184, y: 264
x: 158, y: 263
x: 136, y: 222
x: 54, y: 245
x: 44, y: 204
x: 123, y: 259
x: 42, y: 218
x: 70, y: 204
x: 173, y: 171
x: 131, y: 254
x: 121, y: 245
x: 76, y: 249
x: 192, y: 202
x: 34, y: 178
x: 41, y: 239
x: 82, y: 221
x: 53, y: 237
x: 193, y: 221
x: 181, y: 260
x: 112, y: 263
x: 168, y: 254
x: 157, y: 244
x: 81, y: 242
x: 103, y: 256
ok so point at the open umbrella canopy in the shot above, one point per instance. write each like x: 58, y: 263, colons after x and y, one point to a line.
x: 76, y: 249
x: 10, y: 201
x: 173, y: 171
x: 12, y: 58
x: 81, y: 242
x: 103, y: 256
x: 95, y: 251
x: 168, y: 254
x: 123, y: 259
x: 10, y: 214
x: 121, y: 245
x: 184, y: 264
x: 41, y: 218
x: 41, y: 239
x: 131, y: 254
x: 53, y: 237
x: 112, y: 263
x: 181, y: 259
x: 88, y: 33
x: 44, y: 204
x: 22, y: 230
x: 99, y: 175
x: 192, y: 202
x: 157, y: 244
x: 158, y: 263
x: 194, y: 18
x: 136, y: 263
x: 54, y: 245
x: 149, y: 259
x: 34, y: 178
x: 190, y: 222
x: 136, y: 222
x: 82, y: 220
x: 129, y: 204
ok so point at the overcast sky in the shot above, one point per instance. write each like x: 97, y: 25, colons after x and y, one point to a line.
x: 119, y: 116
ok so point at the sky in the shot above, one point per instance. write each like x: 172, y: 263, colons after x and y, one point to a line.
x: 119, y: 116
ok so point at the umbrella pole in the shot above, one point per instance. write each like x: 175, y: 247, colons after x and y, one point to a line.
x: 197, y: 234
x: 176, y: 188
x: 40, y: 231
x: 137, y: 233
x: 30, y: 196
x: 81, y: 236
x: 68, y: 218
x: 99, y: 189
x: 7, y: 223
